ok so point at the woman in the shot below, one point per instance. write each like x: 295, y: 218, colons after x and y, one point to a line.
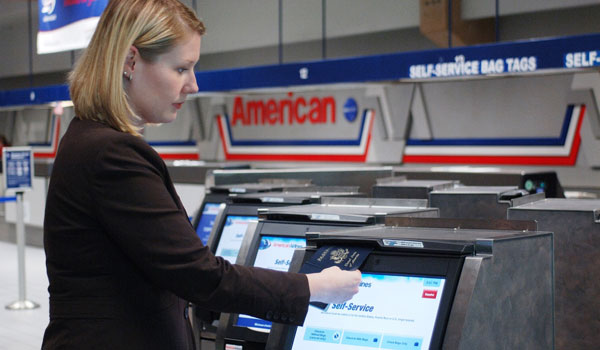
x: 122, y: 257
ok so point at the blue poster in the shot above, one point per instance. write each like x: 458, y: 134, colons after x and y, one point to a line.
x: 17, y: 168
x: 67, y: 24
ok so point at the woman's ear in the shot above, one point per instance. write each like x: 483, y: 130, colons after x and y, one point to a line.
x: 132, y: 56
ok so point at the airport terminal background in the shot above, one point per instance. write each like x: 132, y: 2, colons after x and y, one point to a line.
x: 544, y: 124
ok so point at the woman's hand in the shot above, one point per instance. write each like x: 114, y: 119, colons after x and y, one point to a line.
x: 333, y: 285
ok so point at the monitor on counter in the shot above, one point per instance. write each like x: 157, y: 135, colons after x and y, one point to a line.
x: 403, y: 302
x: 206, y: 220
x: 275, y: 253
x: 232, y: 234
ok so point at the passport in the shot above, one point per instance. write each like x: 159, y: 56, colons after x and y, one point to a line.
x: 345, y: 257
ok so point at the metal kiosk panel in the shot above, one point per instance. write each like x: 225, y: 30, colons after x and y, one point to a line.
x: 479, y: 202
x: 576, y: 227
x: 532, y: 180
x: 418, y: 189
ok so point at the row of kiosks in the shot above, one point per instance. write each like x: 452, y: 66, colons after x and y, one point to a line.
x: 227, y: 211
x: 216, y: 196
x: 456, y: 200
x: 270, y: 243
x: 573, y: 227
x: 283, y: 219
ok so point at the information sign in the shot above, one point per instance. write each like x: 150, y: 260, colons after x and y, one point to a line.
x: 17, y: 168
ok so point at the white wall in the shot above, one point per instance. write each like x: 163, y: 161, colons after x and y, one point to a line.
x: 246, y: 32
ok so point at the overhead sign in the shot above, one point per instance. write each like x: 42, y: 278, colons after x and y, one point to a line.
x: 17, y: 168
x: 462, y: 66
x: 310, y: 126
x: 67, y: 24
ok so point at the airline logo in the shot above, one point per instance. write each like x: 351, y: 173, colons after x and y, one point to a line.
x: 67, y: 24
x: 47, y: 6
x: 296, y: 127
x: 289, y: 111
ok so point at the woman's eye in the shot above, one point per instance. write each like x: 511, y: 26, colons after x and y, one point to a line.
x: 181, y: 70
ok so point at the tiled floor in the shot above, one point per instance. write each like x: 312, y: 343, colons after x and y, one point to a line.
x: 23, y: 329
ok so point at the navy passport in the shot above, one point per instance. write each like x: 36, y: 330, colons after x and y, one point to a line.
x: 345, y: 257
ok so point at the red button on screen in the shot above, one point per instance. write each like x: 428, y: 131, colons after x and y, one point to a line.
x: 429, y: 294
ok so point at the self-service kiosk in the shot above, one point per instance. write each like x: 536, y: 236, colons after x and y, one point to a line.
x: 233, y: 222
x: 400, y: 187
x: 432, y: 288
x: 531, y: 180
x: 576, y: 227
x: 211, y: 204
x: 281, y: 230
x: 479, y: 202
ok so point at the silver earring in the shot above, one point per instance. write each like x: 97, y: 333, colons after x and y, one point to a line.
x: 128, y: 75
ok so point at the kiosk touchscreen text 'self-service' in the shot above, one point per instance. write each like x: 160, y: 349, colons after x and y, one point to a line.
x: 403, y: 303
x: 396, y: 311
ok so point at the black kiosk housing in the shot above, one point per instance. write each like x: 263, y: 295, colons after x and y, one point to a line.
x: 244, y: 207
x: 287, y: 226
x: 455, y: 279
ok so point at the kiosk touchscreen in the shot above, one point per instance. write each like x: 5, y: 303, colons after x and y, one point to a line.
x: 403, y: 302
x: 275, y: 253
x: 205, y: 220
x: 281, y: 230
x: 395, y: 311
x: 232, y: 222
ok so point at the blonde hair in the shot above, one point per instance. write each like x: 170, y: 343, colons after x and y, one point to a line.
x: 96, y: 82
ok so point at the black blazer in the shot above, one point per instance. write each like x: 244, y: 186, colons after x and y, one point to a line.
x: 123, y: 259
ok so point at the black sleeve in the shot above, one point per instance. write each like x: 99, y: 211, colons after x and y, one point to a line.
x: 143, y: 218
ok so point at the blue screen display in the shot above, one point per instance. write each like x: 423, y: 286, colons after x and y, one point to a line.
x: 389, y: 312
x: 207, y: 221
x: 274, y: 253
x: 232, y: 236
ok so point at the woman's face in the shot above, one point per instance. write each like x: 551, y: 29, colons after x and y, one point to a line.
x: 158, y: 89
